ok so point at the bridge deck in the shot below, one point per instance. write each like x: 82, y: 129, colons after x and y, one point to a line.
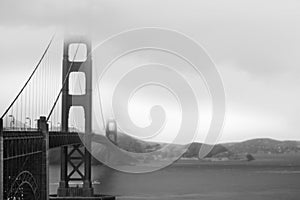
x: 56, y: 138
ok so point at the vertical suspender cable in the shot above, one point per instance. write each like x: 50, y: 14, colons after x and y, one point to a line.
x: 25, y: 107
x: 42, y: 88
x: 6, y: 111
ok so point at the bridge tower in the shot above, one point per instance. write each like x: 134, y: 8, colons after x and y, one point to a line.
x: 111, y: 131
x: 75, y: 156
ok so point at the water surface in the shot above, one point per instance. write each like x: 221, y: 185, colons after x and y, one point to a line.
x: 262, y: 179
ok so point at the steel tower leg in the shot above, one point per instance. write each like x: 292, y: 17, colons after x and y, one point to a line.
x: 71, y: 155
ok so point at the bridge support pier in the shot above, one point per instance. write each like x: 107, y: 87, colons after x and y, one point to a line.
x: 43, y: 128
x: 63, y: 184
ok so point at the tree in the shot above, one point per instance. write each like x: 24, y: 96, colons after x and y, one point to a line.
x: 249, y: 157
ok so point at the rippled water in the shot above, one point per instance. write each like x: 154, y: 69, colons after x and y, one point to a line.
x: 259, y: 180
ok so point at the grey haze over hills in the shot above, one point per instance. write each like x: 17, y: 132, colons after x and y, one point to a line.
x: 223, y: 151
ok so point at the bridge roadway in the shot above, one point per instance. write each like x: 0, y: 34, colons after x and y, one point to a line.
x: 58, y: 139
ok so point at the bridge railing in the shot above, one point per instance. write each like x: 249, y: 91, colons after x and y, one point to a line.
x: 23, y: 163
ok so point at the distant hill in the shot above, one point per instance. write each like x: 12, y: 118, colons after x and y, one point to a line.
x: 132, y: 144
x: 226, y: 151
x: 263, y: 145
x: 193, y: 150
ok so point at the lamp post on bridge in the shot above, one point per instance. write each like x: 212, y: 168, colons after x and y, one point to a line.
x: 50, y: 128
x: 59, y: 126
x: 72, y: 128
x: 36, y: 123
x: 29, y: 119
x: 12, y: 121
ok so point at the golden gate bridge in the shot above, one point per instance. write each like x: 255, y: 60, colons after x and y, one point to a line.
x: 39, y: 119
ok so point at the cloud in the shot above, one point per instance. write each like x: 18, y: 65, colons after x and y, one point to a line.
x: 255, y: 44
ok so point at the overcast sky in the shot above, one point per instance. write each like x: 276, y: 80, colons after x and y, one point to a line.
x: 255, y: 45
